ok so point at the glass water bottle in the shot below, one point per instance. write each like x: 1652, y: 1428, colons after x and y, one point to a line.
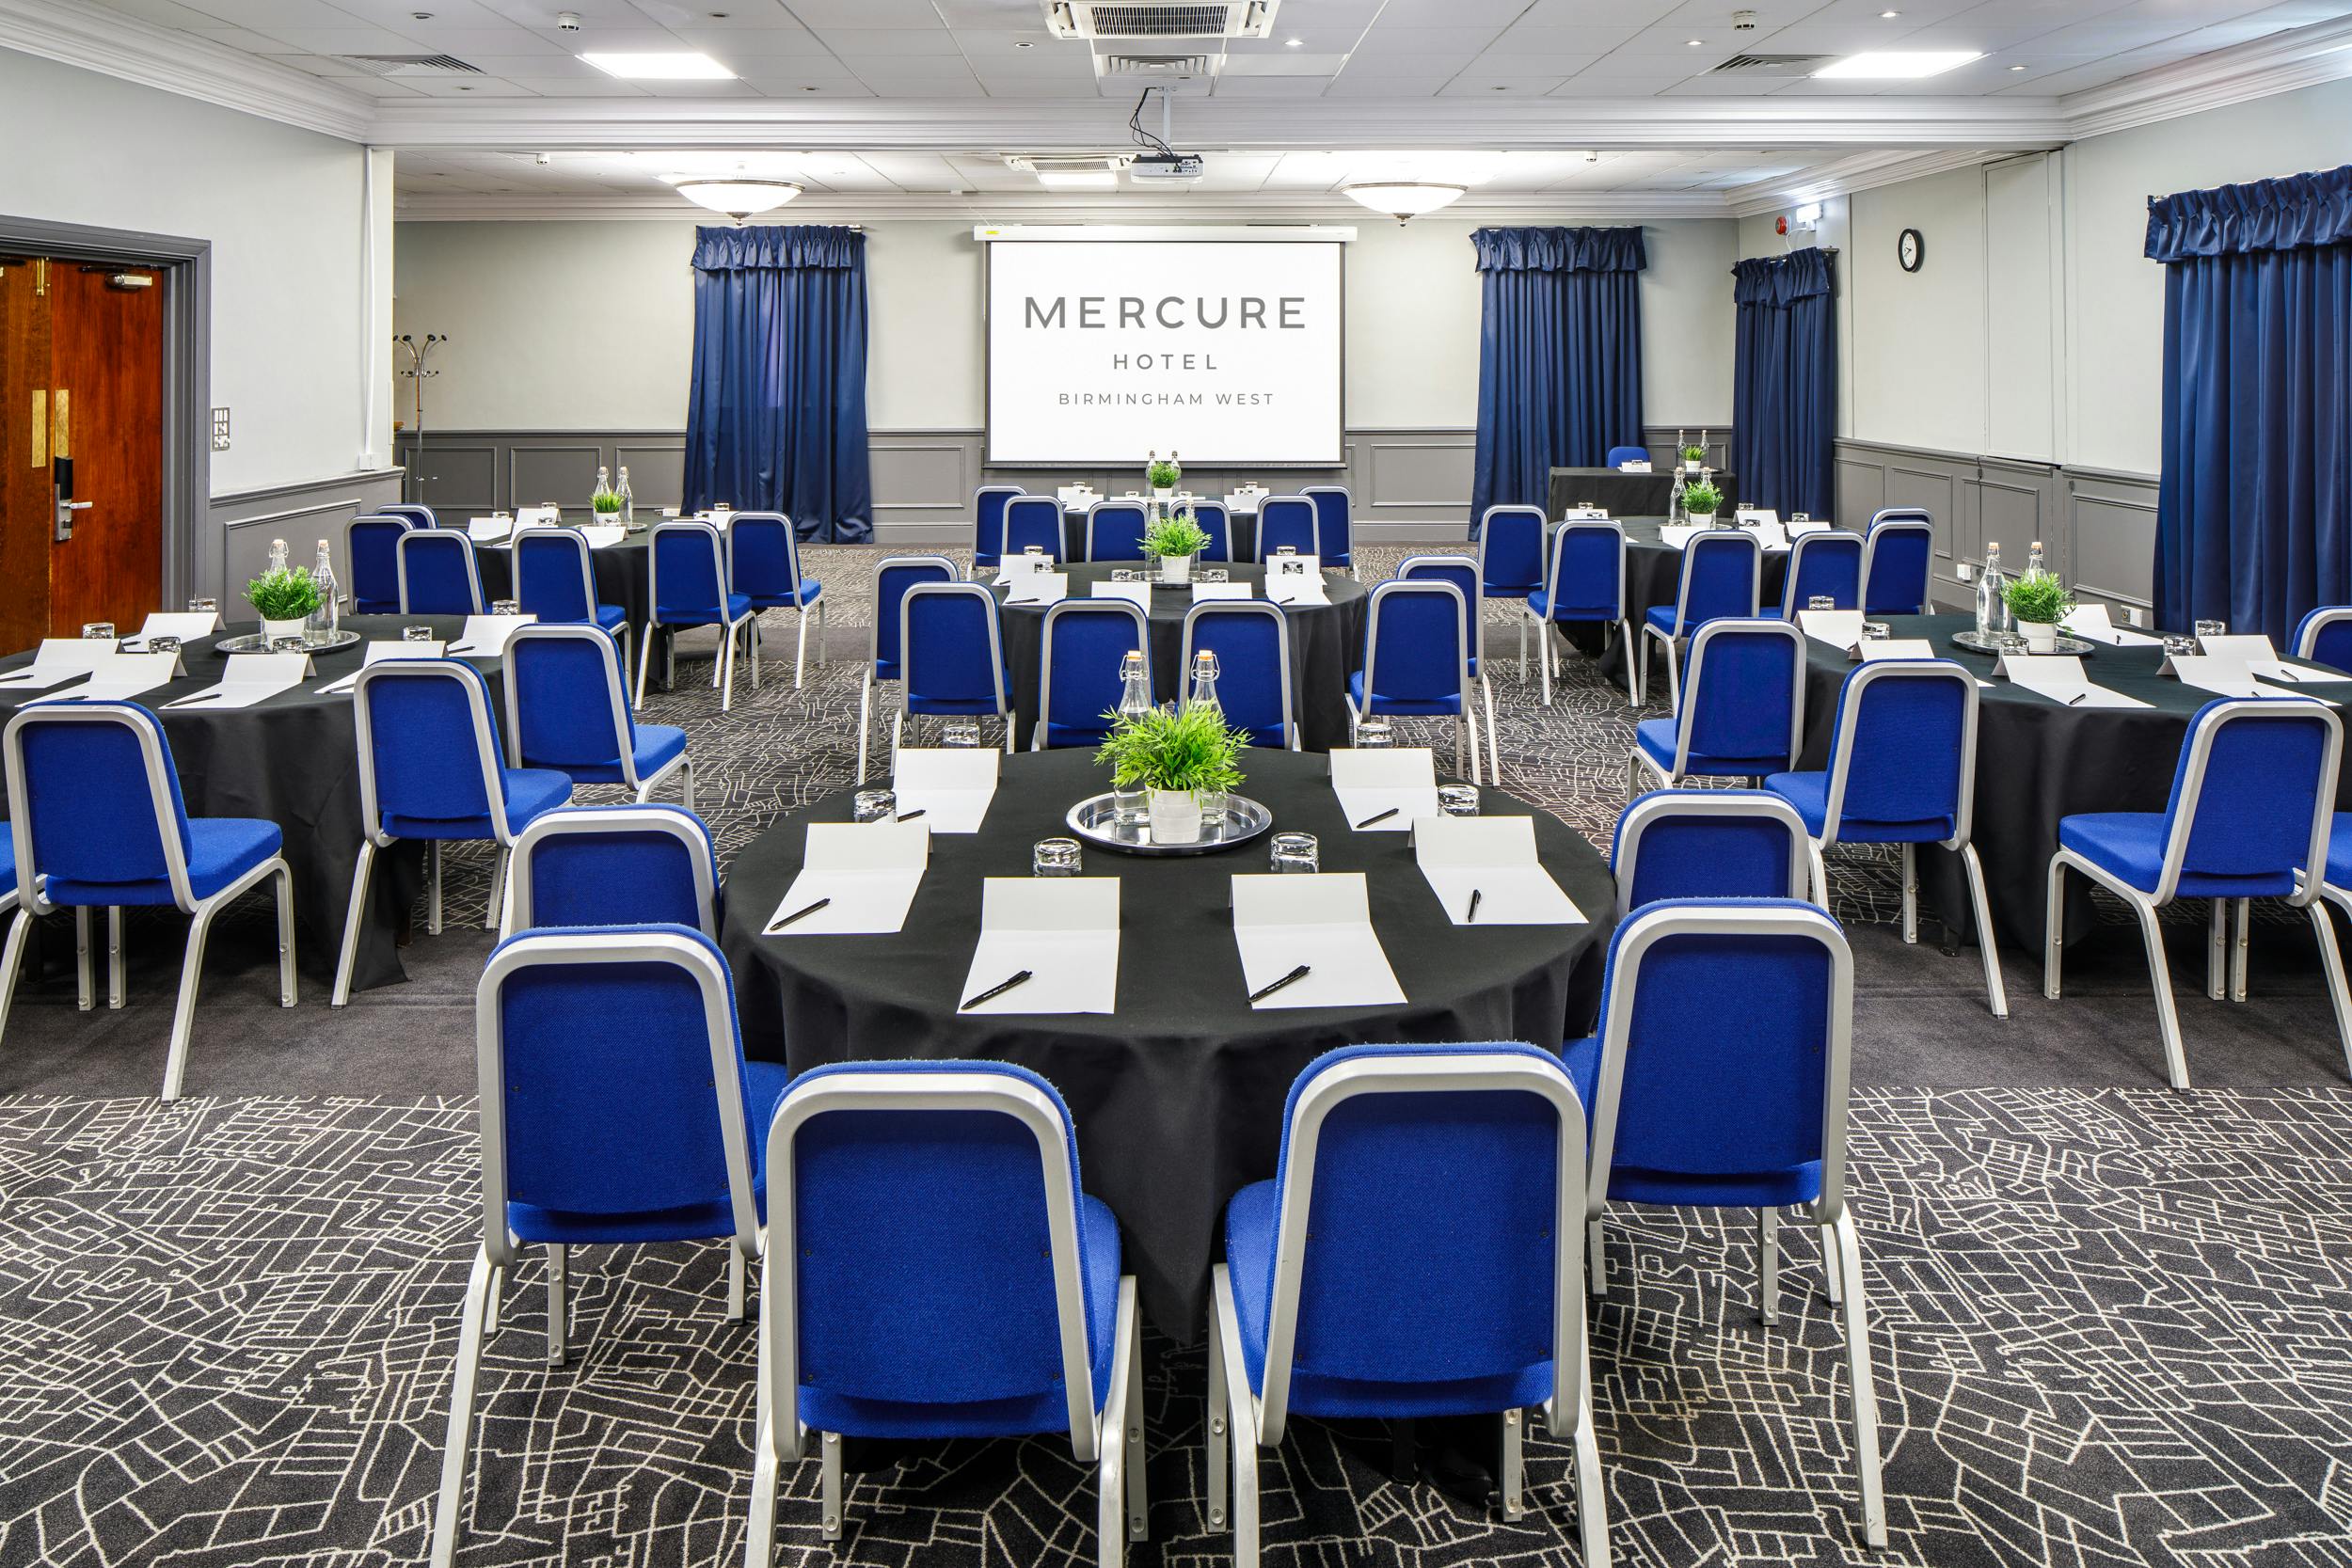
x: 2034, y: 566
x: 604, y: 487
x: 323, y: 619
x: 277, y: 559
x: 628, y: 503
x: 1130, y: 804
x: 1991, y: 603
x: 1204, y: 673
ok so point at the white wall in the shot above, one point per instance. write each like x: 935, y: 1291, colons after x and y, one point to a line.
x: 588, y: 326
x: 282, y: 209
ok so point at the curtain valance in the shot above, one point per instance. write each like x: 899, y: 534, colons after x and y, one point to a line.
x: 2289, y: 214
x: 777, y: 245
x: 1559, y: 249
x: 1781, y: 280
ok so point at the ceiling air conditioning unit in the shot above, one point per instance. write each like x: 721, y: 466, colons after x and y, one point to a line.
x: 1068, y: 163
x: 1160, y: 19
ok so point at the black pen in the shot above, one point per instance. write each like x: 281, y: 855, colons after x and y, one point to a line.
x: 1476, y: 894
x: 796, y: 914
x: 200, y: 697
x: 1381, y: 817
x: 993, y: 992
x: 1263, y: 992
x: 911, y: 815
x: 2076, y: 698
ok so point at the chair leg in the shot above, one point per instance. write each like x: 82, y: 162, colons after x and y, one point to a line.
x: 645, y: 657
x: 11, y: 960
x: 559, y: 1318
x: 800, y: 653
x: 2054, y: 930
x: 1494, y: 753
x: 351, y: 923
x: 1640, y: 678
x: 726, y: 681
x: 433, y: 888
x: 865, y: 719
x: 1241, y: 1417
x: 1214, y: 1425
x: 1523, y: 620
x: 1768, y: 1263
x: 2331, y: 958
x: 81, y: 958
x: 1595, y: 1259
x: 1111, y: 1462
x: 686, y: 783
x: 1833, y: 1277
x: 1137, y: 1488
x: 736, y: 1287
x: 2239, y: 951
x: 824, y: 651
x: 829, y: 1501
x: 624, y: 637
x: 115, y: 986
x: 897, y: 728
x: 1996, y: 993
x: 1820, y: 874
x: 184, y: 1011
x: 287, y: 985
x: 1865, y: 1410
x: 1543, y: 650
x: 1592, y: 1498
x: 755, y: 639
x: 479, y: 1290
x: 501, y: 861
x: 1634, y: 685
x: 759, y: 1536
x: 2217, y: 948
x: 1513, y: 1479
x: 1674, y: 675
x: 2167, y: 1016
x: 1910, y: 895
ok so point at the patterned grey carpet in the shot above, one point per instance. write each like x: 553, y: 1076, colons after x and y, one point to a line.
x: 2109, y: 1323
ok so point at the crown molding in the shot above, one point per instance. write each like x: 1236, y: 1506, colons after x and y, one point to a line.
x: 1864, y: 171
x: 2260, y: 68
x: 121, y: 46
x: 1061, y: 207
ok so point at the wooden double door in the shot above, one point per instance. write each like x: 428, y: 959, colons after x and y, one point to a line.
x: 81, y: 446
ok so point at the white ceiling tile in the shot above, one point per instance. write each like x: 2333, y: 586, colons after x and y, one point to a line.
x: 1270, y: 87
x: 1406, y: 66
x: 888, y: 40
x: 865, y: 13
x: 348, y: 40
x: 754, y: 42
x: 1445, y: 13
x: 250, y: 42
x: 1595, y: 13
x: 1018, y: 87
x: 166, y: 13
x: 480, y: 87
x: 1524, y: 86
x: 1390, y: 42
x: 1503, y: 65
x: 582, y: 87
x: 466, y: 42
x: 914, y: 68
x: 1564, y: 40
x: 1296, y: 62
x: 558, y: 68
x: 400, y: 16
x: 267, y: 16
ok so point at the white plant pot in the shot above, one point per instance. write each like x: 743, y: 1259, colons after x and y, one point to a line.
x: 1702, y: 519
x: 1175, y: 817
x: 1688, y: 467
x: 1175, y: 569
x: 2041, y: 636
x: 1164, y: 497
x: 276, y: 629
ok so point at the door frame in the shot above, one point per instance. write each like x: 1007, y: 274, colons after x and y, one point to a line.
x: 185, y: 266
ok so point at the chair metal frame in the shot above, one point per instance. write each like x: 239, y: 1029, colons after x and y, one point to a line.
x: 417, y: 512
x: 995, y: 658
x: 1486, y: 584
x: 1713, y: 539
x: 2144, y: 905
x: 1903, y: 519
x: 1053, y: 613
x: 759, y: 636
x: 1797, y: 547
x: 984, y: 558
x: 1413, y: 569
x: 29, y: 902
x: 436, y: 539
x: 1750, y: 804
x: 723, y: 669
x: 587, y: 578
x: 594, y: 821
x: 1258, y: 524
x: 873, y: 642
x: 1142, y: 509
x: 1257, y: 1420
x: 351, y: 556
x: 1467, y: 722
x: 1841, y: 1254
x: 499, y: 1251
x: 1555, y: 548
x: 1637, y: 760
x: 571, y: 631
x: 2307, y: 630
x: 1061, y: 551
x: 1111, y: 1440
x: 1212, y: 607
x: 1346, y: 558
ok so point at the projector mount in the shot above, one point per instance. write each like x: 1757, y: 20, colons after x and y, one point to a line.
x: 1159, y: 161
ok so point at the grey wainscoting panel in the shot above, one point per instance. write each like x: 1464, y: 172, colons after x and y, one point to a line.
x: 473, y: 472
x: 656, y: 471
x: 302, y: 514
x: 1972, y: 497
x: 1414, y: 478
x: 563, y: 472
x: 460, y: 476
x: 2111, y: 527
x: 924, y: 479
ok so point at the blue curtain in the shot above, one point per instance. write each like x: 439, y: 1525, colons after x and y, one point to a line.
x: 775, y: 418
x: 2254, y: 506
x: 1784, y: 386
x: 1559, y: 356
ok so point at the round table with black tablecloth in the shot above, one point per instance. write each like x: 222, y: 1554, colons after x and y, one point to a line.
x: 1326, y: 646
x: 1178, y: 1095
x: 622, y: 572
x: 293, y: 759
x: 2038, y: 760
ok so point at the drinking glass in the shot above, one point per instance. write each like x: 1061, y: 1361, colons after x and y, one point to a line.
x: 2212, y: 628
x: 203, y: 607
x: 1056, y: 857
x: 1801, y: 516
x: 874, y: 805
x: 1216, y: 574
x: 163, y: 644
x: 2180, y: 647
x: 416, y: 634
x: 1876, y: 631
x: 288, y: 646
x: 99, y: 628
x: 1294, y: 852
x: 1374, y: 732
x: 507, y: 607
x: 1821, y: 601
x: 960, y: 732
x: 1458, y: 799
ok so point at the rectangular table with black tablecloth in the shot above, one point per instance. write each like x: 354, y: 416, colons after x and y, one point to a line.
x: 1624, y: 495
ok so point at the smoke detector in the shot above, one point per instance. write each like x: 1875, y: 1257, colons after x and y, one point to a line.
x: 1743, y: 22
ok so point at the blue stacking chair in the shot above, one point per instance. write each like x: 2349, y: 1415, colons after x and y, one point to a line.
x: 371, y: 546
x: 1212, y: 518
x: 567, y: 710
x: 1286, y: 520
x: 1086, y: 642
x: 1722, y: 575
x: 1359, y: 1284
x: 892, y: 579
x: 1252, y: 640
x: 1709, y: 844
x: 431, y: 768
x: 96, y: 821
x: 1417, y: 663
x: 2252, y: 805
x: 1335, y: 531
x: 1627, y: 454
x: 1827, y: 565
x: 1902, y: 769
x: 1898, y: 549
x: 988, y: 524
x: 989, y: 1303
x: 1511, y: 560
x: 1718, y: 1081
x: 437, y: 572
x: 2335, y: 888
x: 1584, y: 583
x: 555, y: 580
x: 1034, y: 520
x: 764, y: 565
x: 617, y: 1110
x: 2325, y: 637
x: 421, y: 517
x: 951, y: 652
x: 687, y: 579
x: 1740, y: 717
x: 615, y: 865
x: 1463, y: 572
x: 1115, y: 531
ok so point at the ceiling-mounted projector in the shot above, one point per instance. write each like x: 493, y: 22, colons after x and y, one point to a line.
x: 1162, y: 168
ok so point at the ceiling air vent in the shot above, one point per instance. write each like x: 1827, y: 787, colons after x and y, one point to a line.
x: 1158, y: 19
x: 1770, y: 65
x: 1154, y: 67
x: 409, y: 65
x: 1068, y: 163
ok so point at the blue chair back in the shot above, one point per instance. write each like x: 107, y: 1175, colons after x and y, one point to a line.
x: 1033, y: 521
x: 2253, y: 793
x: 2325, y: 637
x: 419, y: 516
x: 1627, y: 454
x: 1898, y: 551
x: 1722, y: 572
x: 438, y: 574
x: 1587, y: 576
x: 1286, y: 520
x: 1115, y: 531
x: 94, y: 799
x: 1707, y: 844
x: 987, y: 522
x: 554, y: 579
x: 564, y: 701
x: 1511, y: 552
x: 616, y: 865
x: 1744, y: 698
x: 370, y: 545
x: 1086, y: 642
x: 428, y: 747
x: 1416, y: 645
x: 688, y: 573
x: 892, y: 579
x: 1461, y: 570
x: 1824, y: 564
x: 1902, y: 753
x: 952, y: 649
x: 1335, y: 537
x: 1212, y: 520
x: 763, y: 559
x: 1251, y: 641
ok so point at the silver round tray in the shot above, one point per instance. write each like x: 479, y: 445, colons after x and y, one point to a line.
x: 1094, y: 820
x: 1975, y: 644
x: 317, y: 642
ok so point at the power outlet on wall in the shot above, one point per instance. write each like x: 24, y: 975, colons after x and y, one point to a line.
x: 2136, y: 614
x: 220, y: 429
x: 1967, y: 572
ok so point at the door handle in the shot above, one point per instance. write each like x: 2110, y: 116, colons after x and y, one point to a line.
x: 66, y: 509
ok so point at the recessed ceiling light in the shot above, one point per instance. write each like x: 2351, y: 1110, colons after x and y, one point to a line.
x: 2017, y: 68
x: 1888, y: 16
x: 808, y: 89
x: 1077, y: 180
x: 1694, y: 43
x: 1897, y: 66
x: 1293, y: 43
x: 1499, y: 86
x: 1024, y: 44
x: 661, y: 68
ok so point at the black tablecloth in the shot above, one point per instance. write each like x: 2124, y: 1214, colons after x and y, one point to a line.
x: 1178, y: 1095
x: 1624, y: 495
x: 293, y: 759
x: 1241, y: 529
x: 2037, y: 761
x: 1326, y: 646
x: 621, y: 572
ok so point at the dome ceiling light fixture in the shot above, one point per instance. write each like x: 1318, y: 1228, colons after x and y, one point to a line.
x: 736, y: 197
x: 1405, y: 200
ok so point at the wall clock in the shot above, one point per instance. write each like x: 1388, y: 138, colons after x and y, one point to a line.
x: 1910, y: 249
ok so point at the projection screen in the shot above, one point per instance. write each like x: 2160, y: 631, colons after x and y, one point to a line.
x: 1226, y: 352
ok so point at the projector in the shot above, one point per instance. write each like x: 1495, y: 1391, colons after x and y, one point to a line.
x: 1179, y: 169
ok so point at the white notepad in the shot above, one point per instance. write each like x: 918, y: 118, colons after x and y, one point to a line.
x: 125, y: 675
x: 1840, y: 629
x: 484, y: 636
x: 538, y: 517
x: 2091, y: 623
x: 59, y: 659
x: 1036, y: 588
x: 1136, y: 593
x: 185, y: 624
x: 1323, y: 921
x: 1063, y: 930
x: 1799, y: 527
x: 377, y: 652
x: 1222, y: 591
x: 602, y: 536
x: 488, y: 530
x: 2061, y: 679
x: 951, y: 785
x: 1678, y: 535
x: 1768, y: 537
x: 1373, y: 779
x: 1871, y: 652
x: 250, y: 678
x: 2228, y: 677
x: 870, y: 870
x: 1292, y: 588
x: 1493, y: 857
x: 1641, y: 468
x: 2262, y: 662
